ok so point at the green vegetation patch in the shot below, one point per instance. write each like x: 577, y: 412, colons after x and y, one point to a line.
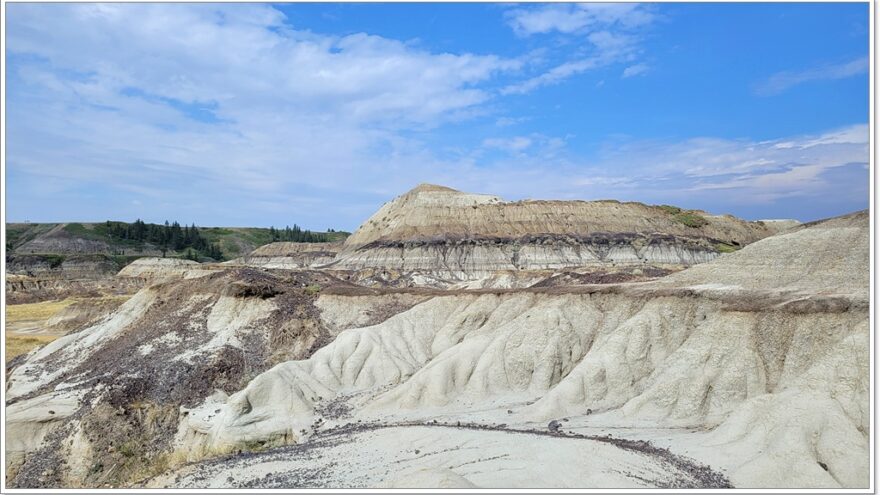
x: 20, y: 233
x: 723, y: 247
x: 54, y: 260
x: 171, y: 239
x: 672, y: 210
x: 690, y: 219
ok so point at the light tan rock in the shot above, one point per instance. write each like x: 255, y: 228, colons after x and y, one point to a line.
x: 458, y: 236
x: 429, y: 211
x: 155, y: 269
x: 673, y: 353
x: 290, y: 255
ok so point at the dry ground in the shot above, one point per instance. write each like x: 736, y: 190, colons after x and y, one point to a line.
x: 27, y: 324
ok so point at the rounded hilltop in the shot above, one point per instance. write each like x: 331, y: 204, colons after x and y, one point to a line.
x: 433, y: 211
x: 425, y: 187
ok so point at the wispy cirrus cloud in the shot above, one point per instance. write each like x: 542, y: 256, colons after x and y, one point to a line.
x: 607, y: 48
x: 577, y: 17
x: 536, y: 145
x: 227, y: 114
x: 782, y: 81
x: 609, y: 33
x: 634, y: 70
x: 747, y: 172
x: 222, y: 97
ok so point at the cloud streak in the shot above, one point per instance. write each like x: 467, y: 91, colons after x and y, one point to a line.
x: 749, y: 173
x: 577, y: 17
x: 223, y: 97
x: 782, y: 81
x: 634, y: 70
x: 606, y: 33
x: 225, y: 114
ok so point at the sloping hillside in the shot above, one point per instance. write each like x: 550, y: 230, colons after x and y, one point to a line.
x: 624, y: 356
x: 750, y: 369
x: 429, y: 211
x: 98, y: 238
x: 447, y: 234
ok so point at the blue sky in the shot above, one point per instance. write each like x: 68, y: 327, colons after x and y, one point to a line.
x: 316, y: 114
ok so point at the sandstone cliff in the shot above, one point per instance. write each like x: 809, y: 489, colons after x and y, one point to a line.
x: 41, y: 277
x: 755, y: 363
x: 290, y: 255
x: 772, y: 377
x: 463, y: 236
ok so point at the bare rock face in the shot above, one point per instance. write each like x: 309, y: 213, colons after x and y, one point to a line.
x: 829, y: 255
x: 751, y: 369
x: 461, y: 236
x: 290, y: 255
x: 773, y: 372
x: 61, y: 267
x: 41, y: 277
x: 110, y: 393
x: 154, y: 269
x: 58, y: 240
x: 83, y: 313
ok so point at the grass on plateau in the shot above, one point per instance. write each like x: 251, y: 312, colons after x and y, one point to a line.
x: 16, y: 313
x: 18, y: 344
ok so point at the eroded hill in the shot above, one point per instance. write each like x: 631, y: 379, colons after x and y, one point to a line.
x: 444, y: 234
x: 290, y: 367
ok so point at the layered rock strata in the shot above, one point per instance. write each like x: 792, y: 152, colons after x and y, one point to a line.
x: 775, y: 372
x: 290, y: 255
x: 459, y: 236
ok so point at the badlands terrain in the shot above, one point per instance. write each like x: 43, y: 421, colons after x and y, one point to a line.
x: 460, y: 341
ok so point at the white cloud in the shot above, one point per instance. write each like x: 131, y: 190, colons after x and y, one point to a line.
x: 781, y: 81
x: 608, y: 48
x: 572, y: 18
x: 608, y: 30
x: 281, y: 109
x: 298, y: 126
x: 552, y: 76
x: 509, y: 121
x: 512, y: 145
x: 634, y: 70
x: 244, y: 56
x: 752, y: 171
x: 534, y: 146
x: 738, y: 176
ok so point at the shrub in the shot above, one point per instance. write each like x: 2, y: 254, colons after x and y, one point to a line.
x: 690, y: 219
x: 130, y: 448
x: 722, y: 247
x: 54, y: 260
x: 672, y: 210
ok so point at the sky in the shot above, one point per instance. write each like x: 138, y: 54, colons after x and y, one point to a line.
x: 317, y: 114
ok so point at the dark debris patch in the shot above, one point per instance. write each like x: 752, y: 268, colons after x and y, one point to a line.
x: 133, y: 401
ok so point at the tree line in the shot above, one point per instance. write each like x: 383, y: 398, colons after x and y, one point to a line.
x: 170, y: 236
x: 296, y: 234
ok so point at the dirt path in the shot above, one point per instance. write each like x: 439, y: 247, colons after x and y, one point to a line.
x: 307, y: 465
